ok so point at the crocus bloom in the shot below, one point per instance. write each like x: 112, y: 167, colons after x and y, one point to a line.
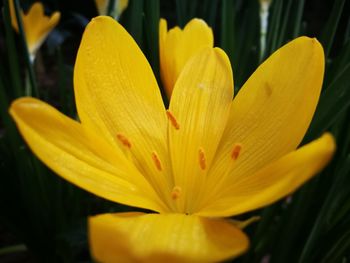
x: 205, y: 158
x: 177, y: 46
x: 36, y: 25
x: 102, y: 7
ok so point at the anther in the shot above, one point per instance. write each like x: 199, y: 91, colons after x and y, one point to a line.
x: 124, y: 140
x: 202, y: 159
x: 176, y: 192
x: 172, y: 120
x: 236, y: 151
x: 156, y: 161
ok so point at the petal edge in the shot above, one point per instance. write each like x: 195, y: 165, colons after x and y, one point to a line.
x: 137, y: 237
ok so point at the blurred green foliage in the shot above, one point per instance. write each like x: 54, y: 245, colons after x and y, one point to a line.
x: 48, y: 215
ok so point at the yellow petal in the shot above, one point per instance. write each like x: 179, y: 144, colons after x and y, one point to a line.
x: 199, y: 109
x: 36, y: 25
x: 81, y: 157
x: 167, y: 46
x: 272, y: 111
x: 137, y: 237
x: 177, y: 46
x: 274, y: 181
x: 117, y: 96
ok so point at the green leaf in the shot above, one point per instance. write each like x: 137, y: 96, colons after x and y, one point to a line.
x: 111, y: 8
x: 151, y: 33
x: 227, y: 34
x: 246, y: 53
x: 274, y: 26
x: 333, y: 102
x: 14, y: 70
x: 298, y: 18
x: 339, y: 248
x: 133, y: 20
x: 327, y: 36
x: 286, y: 18
x: 181, y: 12
x: 320, y: 225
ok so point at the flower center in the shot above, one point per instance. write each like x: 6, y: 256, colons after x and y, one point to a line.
x: 184, y: 196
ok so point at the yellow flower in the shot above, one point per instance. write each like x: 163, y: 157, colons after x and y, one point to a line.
x: 36, y: 25
x: 102, y: 6
x: 205, y: 158
x: 177, y: 46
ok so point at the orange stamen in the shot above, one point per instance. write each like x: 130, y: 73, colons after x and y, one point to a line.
x: 156, y: 161
x: 124, y: 140
x: 175, y: 194
x: 172, y: 120
x: 202, y: 159
x: 236, y: 151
